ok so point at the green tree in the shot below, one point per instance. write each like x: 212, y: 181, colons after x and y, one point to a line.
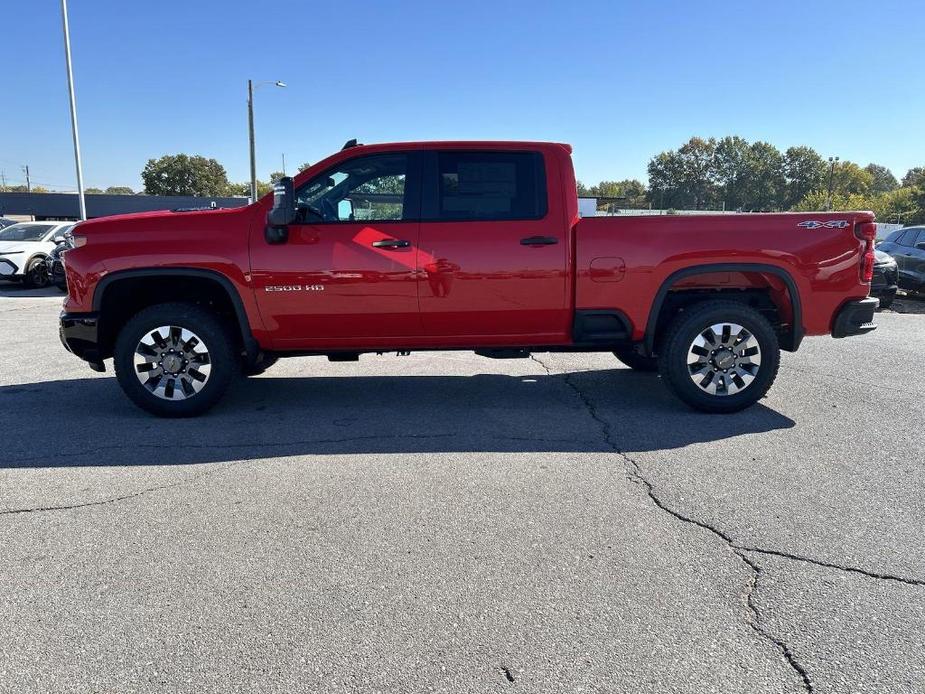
x: 914, y: 177
x: 93, y: 191
x: 698, y: 171
x: 882, y: 179
x: 900, y: 205
x: 665, y: 179
x: 22, y: 189
x: 851, y: 179
x: 181, y: 174
x: 805, y: 172
x: 685, y: 178
x: 304, y: 165
x: 583, y: 190
x: 766, y: 183
x: 275, y: 176
x: 119, y: 190
x: 732, y: 166
x: 243, y: 190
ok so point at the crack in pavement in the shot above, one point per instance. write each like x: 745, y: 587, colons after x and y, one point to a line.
x: 725, y: 536
x: 224, y: 466
x: 635, y: 475
x: 828, y: 565
x: 141, y: 492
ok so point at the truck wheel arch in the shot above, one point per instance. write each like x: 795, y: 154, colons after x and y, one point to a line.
x: 797, y: 331
x: 249, y: 343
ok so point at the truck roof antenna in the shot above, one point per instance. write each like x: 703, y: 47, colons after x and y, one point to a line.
x: 349, y: 143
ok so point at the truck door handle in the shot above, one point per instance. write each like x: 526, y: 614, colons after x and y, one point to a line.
x: 539, y: 241
x: 391, y: 243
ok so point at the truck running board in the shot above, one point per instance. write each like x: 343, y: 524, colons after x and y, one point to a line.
x: 509, y: 353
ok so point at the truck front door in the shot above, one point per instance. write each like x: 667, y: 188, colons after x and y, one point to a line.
x: 347, y: 274
x: 493, y: 250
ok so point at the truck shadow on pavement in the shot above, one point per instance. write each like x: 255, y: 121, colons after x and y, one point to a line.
x: 17, y: 290
x: 89, y: 422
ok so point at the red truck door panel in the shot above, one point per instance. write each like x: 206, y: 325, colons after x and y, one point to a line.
x: 492, y: 258
x: 348, y: 270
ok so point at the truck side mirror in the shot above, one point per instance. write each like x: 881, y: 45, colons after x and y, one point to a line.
x: 283, y: 211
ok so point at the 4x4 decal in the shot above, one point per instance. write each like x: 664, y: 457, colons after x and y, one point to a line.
x: 833, y: 224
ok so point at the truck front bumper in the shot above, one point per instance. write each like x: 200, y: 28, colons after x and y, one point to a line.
x: 79, y: 334
x: 855, y: 318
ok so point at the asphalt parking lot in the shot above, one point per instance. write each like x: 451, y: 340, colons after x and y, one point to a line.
x: 445, y: 522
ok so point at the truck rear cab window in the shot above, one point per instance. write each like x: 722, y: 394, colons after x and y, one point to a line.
x: 484, y: 186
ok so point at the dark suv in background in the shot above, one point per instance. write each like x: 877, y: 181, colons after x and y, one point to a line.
x: 907, y: 246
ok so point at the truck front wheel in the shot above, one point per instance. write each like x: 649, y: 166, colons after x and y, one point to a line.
x: 719, y: 356
x: 175, y: 359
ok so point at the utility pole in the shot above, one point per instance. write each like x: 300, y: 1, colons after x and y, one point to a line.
x: 70, y: 89
x: 832, y: 163
x: 284, y: 163
x: 250, y: 131
x: 28, y: 182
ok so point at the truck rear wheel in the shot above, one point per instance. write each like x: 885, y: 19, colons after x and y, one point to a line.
x: 174, y: 360
x: 719, y: 356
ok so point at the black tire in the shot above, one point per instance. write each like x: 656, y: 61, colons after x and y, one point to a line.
x: 678, y: 343
x: 36, y: 276
x: 635, y: 360
x: 263, y: 363
x: 209, y: 329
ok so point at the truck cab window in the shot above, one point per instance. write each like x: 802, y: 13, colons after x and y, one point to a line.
x: 490, y: 186
x: 365, y: 189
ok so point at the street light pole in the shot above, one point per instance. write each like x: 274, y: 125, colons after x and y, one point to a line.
x: 250, y: 126
x: 70, y: 88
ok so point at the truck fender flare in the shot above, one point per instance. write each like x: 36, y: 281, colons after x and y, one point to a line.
x: 250, y: 343
x: 678, y: 275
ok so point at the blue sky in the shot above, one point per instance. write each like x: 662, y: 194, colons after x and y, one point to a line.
x: 621, y: 81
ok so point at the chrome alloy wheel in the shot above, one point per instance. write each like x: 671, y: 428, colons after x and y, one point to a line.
x: 172, y: 362
x: 724, y: 359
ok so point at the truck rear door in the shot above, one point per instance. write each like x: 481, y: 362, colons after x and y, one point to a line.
x: 493, y: 256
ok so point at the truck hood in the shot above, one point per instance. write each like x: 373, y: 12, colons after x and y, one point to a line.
x: 179, y: 220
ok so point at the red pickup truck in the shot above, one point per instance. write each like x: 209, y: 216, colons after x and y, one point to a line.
x: 456, y: 245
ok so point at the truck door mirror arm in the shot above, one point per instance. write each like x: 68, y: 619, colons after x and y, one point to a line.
x: 283, y: 212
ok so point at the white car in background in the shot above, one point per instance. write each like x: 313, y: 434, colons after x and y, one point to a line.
x: 24, y: 247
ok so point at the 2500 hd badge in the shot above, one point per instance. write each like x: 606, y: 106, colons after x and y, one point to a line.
x: 294, y: 288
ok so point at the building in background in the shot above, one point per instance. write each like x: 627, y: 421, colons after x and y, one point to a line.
x: 65, y: 206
